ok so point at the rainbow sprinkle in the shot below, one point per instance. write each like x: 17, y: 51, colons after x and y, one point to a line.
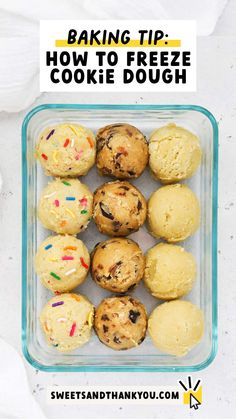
x: 72, y: 142
x: 58, y: 303
x: 48, y: 246
x: 77, y: 157
x: 83, y: 263
x: 53, y: 212
x: 90, y: 142
x: 70, y: 198
x: 70, y: 272
x: 83, y: 202
x: 72, y: 330
x: 83, y: 212
x: 67, y: 257
x: 54, y: 156
x: 55, y: 276
x: 57, y: 203
x: 70, y: 248
x: 70, y: 212
x: 66, y: 143
x: 51, y: 194
x: 61, y: 320
x: 50, y: 134
x: 66, y: 183
x: 44, y: 156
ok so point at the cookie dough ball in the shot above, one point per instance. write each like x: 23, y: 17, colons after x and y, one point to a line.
x: 118, y: 264
x: 176, y: 327
x: 62, y: 263
x: 122, y: 151
x: 175, y: 153
x: 66, y: 321
x: 119, y: 208
x: 173, y: 213
x: 170, y: 271
x: 121, y: 322
x: 65, y: 206
x: 66, y: 150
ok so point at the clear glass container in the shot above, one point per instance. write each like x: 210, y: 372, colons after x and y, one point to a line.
x: 95, y: 356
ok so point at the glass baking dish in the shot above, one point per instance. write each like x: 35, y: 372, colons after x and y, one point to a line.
x: 94, y: 356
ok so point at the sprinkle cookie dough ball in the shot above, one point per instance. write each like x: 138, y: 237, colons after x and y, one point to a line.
x: 170, y: 271
x: 173, y: 213
x: 66, y: 150
x: 121, y: 322
x: 176, y: 327
x: 118, y: 264
x: 65, y: 206
x: 119, y: 208
x: 62, y: 263
x: 66, y: 321
x: 122, y: 151
x: 175, y: 153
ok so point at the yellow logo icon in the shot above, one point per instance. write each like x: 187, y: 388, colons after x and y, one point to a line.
x: 192, y: 395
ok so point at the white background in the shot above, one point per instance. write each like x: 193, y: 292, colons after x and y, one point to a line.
x: 216, y: 91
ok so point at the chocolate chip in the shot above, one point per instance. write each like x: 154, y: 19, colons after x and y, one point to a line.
x: 131, y: 287
x: 104, y: 317
x: 133, y: 315
x: 107, y: 278
x: 116, y: 225
x: 105, y: 211
x: 129, y: 132
x: 116, y: 125
x: 131, y: 172
x: 139, y: 206
x: 105, y: 328
x: 116, y: 340
x: 114, y: 267
x: 141, y: 340
x: 126, y: 188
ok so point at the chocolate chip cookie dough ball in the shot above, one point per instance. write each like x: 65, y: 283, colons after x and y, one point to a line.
x: 175, y: 153
x: 119, y: 208
x: 170, y: 271
x: 122, y: 151
x: 173, y: 213
x: 66, y: 150
x: 62, y: 263
x: 118, y: 264
x: 65, y: 206
x: 66, y: 321
x: 176, y: 327
x: 121, y: 322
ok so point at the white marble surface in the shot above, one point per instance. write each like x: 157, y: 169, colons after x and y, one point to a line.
x: 216, y: 91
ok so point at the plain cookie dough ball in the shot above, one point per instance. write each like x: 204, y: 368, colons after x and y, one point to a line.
x: 62, y: 263
x: 65, y: 206
x: 122, y: 151
x: 173, y: 213
x: 121, y: 322
x: 170, y: 271
x: 176, y: 327
x: 66, y: 150
x: 175, y: 153
x: 67, y: 320
x: 119, y: 208
x: 118, y: 264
